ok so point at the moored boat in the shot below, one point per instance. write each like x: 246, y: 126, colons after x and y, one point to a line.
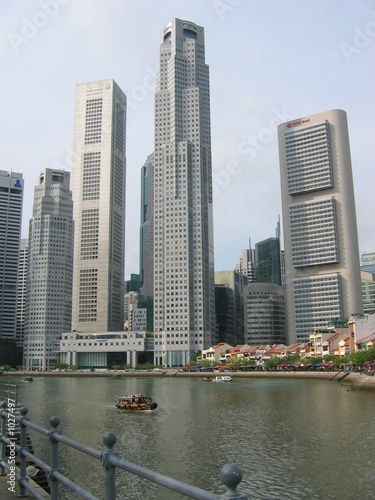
x: 206, y: 379
x: 222, y: 378
x: 136, y: 402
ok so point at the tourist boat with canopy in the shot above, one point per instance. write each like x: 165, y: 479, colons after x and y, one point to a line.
x: 222, y: 378
x: 136, y: 402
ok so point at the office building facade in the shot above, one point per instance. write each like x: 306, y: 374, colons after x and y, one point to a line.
x: 184, y: 289
x: 21, y: 291
x: 146, y: 243
x: 268, y: 261
x: 49, y: 270
x: 11, y: 197
x: 265, y: 314
x: 229, y: 295
x: 319, y: 220
x: 246, y: 266
x: 98, y: 185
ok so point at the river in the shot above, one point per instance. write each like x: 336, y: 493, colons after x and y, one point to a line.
x: 293, y: 439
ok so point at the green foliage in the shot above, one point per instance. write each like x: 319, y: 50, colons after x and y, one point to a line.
x: 336, y: 360
x: 273, y: 362
x: 205, y: 362
x: 61, y: 366
x: 194, y: 361
x: 6, y: 367
x: 64, y: 366
x: 237, y: 363
x: 360, y: 357
x: 145, y: 366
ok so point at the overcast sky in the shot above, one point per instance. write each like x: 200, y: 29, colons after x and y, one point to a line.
x: 270, y: 61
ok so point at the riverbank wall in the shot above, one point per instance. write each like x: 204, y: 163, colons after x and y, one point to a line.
x: 352, y: 380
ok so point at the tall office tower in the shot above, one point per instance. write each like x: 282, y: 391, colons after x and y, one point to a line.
x: 282, y: 264
x: 229, y: 294
x: 264, y: 314
x: 98, y: 185
x: 246, y: 266
x: 184, y: 289
x: 21, y: 291
x: 268, y: 261
x: 146, y: 244
x: 11, y: 196
x: 320, y: 229
x: 49, y: 271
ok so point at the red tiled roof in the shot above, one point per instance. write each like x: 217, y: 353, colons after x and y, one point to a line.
x: 217, y: 346
x: 331, y: 339
x: 366, y: 339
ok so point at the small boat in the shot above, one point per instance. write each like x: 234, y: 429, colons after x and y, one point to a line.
x: 136, y: 402
x: 206, y: 379
x: 28, y: 379
x: 222, y: 378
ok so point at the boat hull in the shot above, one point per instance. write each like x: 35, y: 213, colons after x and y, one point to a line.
x: 134, y: 408
x: 223, y: 379
x: 136, y: 402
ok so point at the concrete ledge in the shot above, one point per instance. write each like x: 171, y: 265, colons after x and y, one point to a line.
x: 356, y: 380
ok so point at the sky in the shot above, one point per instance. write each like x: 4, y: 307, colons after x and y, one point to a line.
x: 270, y: 61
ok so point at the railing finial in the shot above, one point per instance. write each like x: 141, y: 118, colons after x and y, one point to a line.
x: 24, y: 410
x: 54, y: 421
x: 231, y: 476
x: 109, y: 439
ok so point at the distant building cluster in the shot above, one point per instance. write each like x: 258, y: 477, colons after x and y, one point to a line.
x: 62, y: 292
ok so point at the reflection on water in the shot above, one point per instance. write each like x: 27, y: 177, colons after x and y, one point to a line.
x: 293, y: 439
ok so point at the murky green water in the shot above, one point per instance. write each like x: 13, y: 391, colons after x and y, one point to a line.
x: 293, y: 439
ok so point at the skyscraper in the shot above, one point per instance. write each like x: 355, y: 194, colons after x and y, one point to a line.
x: 98, y: 186
x: 21, y: 291
x: 320, y: 228
x: 264, y: 314
x: 229, y: 293
x: 11, y: 196
x: 268, y: 261
x: 247, y: 263
x: 49, y: 270
x: 146, y: 244
x: 184, y: 289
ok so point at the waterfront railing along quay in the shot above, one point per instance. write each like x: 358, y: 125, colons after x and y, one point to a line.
x: 231, y: 474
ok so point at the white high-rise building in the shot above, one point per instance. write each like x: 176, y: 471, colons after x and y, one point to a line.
x: 320, y: 229
x: 184, y: 287
x: 98, y: 186
x: 49, y: 270
x: 11, y: 196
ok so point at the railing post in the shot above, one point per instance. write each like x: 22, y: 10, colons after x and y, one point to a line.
x: 23, y: 443
x: 231, y: 476
x: 109, y: 440
x: 54, y: 483
x: 3, y: 445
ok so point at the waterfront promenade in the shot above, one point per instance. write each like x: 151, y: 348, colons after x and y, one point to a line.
x: 354, y: 380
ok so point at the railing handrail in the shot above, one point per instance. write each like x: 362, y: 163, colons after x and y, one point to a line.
x: 230, y: 475
x: 9, y: 390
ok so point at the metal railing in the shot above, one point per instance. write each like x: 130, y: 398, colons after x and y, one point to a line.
x: 9, y: 391
x: 230, y: 475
